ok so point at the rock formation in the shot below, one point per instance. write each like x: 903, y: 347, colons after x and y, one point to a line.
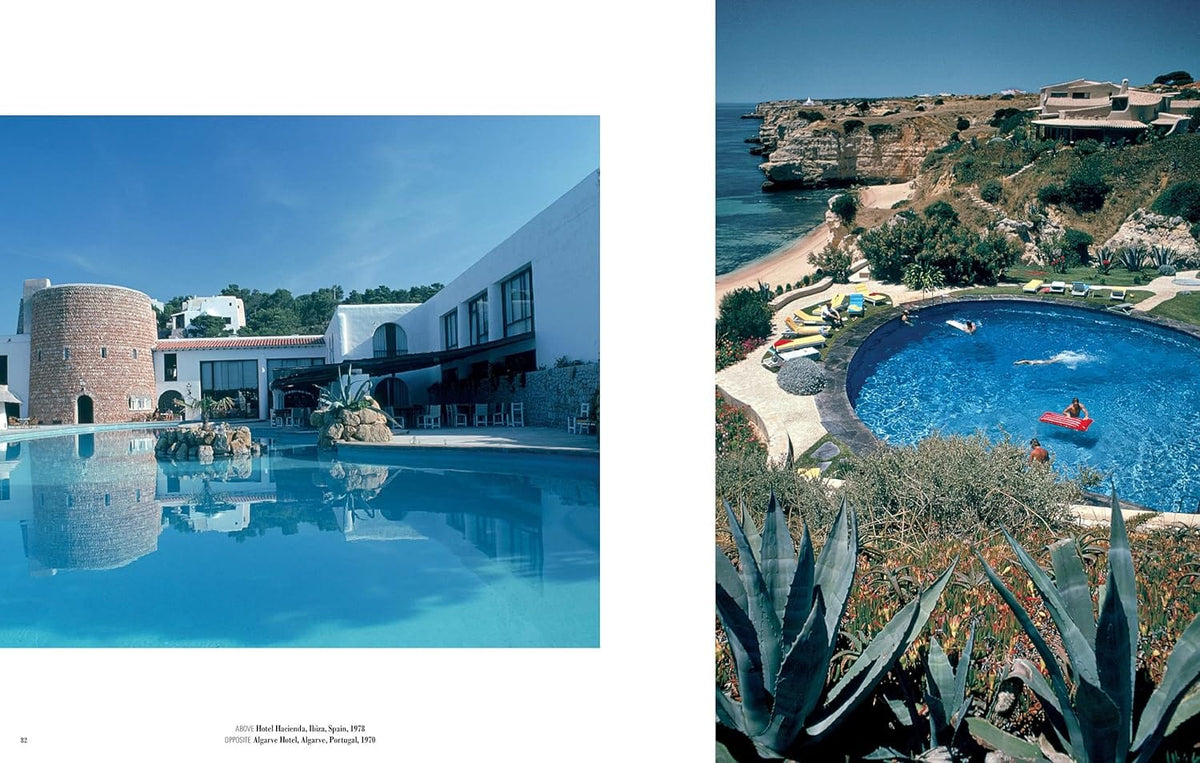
x: 204, y: 443
x: 1148, y: 229
x: 800, y: 152
x: 344, y: 425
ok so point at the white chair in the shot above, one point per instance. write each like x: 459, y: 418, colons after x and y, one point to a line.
x: 276, y: 418
x: 498, y: 416
x: 455, y: 414
x: 481, y: 414
x: 432, y: 418
x: 289, y: 420
x: 581, y: 424
x: 516, y: 415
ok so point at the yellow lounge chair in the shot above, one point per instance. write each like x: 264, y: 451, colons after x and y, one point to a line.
x: 837, y: 301
x: 815, y: 340
x: 1033, y: 286
x: 1117, y: 294
x: 874, y: 297
x: 811, y: 473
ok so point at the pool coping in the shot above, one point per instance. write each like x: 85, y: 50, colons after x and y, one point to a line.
x: 42, y: 431
x: 833, y: 403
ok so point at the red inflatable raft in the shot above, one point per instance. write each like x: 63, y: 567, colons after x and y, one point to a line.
x: 1058, y: 419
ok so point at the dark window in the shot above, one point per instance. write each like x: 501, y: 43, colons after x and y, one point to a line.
x: 219, y: 378
x: 66, y: 353
x: 135, y: 353
x: 1077, y: 96
x: 104, y: 352
x: 517, y: 299
x: 390, y: 341
x: 179, y: 321
x: 450, y: 329
x: 170, y: 369
x: 1058, y: 95
x: 279, y: 366
x: 3, y: 369
x: 5, y: 490
x: 477, y: 316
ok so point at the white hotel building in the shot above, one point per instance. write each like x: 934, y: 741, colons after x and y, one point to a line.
x: 532, y: 300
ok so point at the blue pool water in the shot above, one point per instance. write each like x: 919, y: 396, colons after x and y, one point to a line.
x: 752, y: 224
x: 102, y: 545
x: 1140, y: 383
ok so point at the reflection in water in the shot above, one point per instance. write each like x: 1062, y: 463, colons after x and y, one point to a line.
x: 495, y: 553
x: 92, y: 512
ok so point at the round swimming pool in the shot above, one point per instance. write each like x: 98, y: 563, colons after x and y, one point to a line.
x: 1140, y: 382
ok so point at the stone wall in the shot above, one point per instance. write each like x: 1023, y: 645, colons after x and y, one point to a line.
x: 549, y: 395
x: 110, y: 333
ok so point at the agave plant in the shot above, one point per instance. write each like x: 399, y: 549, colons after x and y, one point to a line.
x: 781, y: 615
x: 1096, y: 722
x: 342, y: 394
x: 1163, y: 256
x: 1133, y: 258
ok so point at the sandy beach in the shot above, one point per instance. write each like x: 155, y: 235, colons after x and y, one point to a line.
x: 790, y: 263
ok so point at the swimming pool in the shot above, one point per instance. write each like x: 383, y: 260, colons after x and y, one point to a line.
x: 103, y: 545
x: 1140, y: 382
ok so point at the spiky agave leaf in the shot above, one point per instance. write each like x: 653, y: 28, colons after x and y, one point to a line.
x: 760, y: 606
x: 997, y: 739
x: 755, y: 708
x: 1057, y: 681
x: 878, y: 658
x: 1167, y: 707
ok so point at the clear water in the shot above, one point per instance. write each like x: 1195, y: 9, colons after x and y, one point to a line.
x: 101, y: 545
x: 1139, y: 382
x: 752, y: 224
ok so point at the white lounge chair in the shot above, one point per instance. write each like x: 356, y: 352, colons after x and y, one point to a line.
x: 1057, y: 287
x: 1080, y: 289
x: 1117, y: 294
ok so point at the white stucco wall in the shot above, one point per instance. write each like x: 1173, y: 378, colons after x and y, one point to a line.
x: 16, y: 347
x: 351, y: 331
x: 188, y: 367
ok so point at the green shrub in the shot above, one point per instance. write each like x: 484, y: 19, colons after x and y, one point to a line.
x: 1086, y: 188
x: 956, y: 486
x: 833, y: 261
x: 964, y: 169
x: 1050, y: 194
x: 743, y: 314
x: 962, y: 124
x: 850, y: 125
x: 1181, y: 199
x: 845, y: 206
x: 991, y: 191
x: 1075, y: 245
x: 881, y: 129
x: 811, y: 116
x: 938, y: 102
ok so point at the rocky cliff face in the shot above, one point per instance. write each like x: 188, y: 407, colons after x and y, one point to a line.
x: 801, y: 153
x: 1147, y: 229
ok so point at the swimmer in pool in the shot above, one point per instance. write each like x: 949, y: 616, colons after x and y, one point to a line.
x: 1065, y: 357
x: 1076, y: 410
x: 971, y: 326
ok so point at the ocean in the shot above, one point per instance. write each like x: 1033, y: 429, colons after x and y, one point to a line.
x: 752, y: 224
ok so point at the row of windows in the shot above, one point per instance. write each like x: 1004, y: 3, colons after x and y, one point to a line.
x: 516, y: 299
x: 66, y: 354
x: 140, y: 403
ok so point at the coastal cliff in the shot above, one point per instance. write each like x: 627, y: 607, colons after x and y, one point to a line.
x: 807, y: 145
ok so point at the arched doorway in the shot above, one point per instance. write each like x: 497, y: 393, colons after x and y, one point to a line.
x: 83, y: 410
x: 167, y: 400
x: 391, y: 392
x: 389, y: 341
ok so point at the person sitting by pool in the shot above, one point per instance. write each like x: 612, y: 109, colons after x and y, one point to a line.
x: 830, y: 315
x: 1076, y: 410
x: 1038, y: 453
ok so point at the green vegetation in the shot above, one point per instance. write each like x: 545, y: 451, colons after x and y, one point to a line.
x: 845, y: 206
x: 834, y: 262
x: 851, y: 125
x: 745, y: 313
x: 1086, y: 187
x: 782, y: 616
x: 879, y: 130
x: 279, y: 313
x: 991, y: 191
x: 1181, y: 307
x: 1180, y: 199
x: 1174, y: 79
x: 938, y: 241
x: 962, y: 124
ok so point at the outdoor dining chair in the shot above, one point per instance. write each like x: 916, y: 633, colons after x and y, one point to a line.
x: 516, y: 415
x: 481, y: 414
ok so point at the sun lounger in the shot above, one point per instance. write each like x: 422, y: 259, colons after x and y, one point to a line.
x: 1033, y: 286
x: 855, y: 306
x: 811, y: 318
x: 874, y: 297
x: 1117, y: 294
x: 1057, y: 287
x: 1124, y: 308
x: 1080, y: 289
x: 838, y: 301
x: 803, y: 352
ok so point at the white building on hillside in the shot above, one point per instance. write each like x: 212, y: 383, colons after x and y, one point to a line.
x: 230, y: 309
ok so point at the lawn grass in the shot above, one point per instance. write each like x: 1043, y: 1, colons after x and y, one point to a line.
x: 1115, y: 277
x: 1182, y: 307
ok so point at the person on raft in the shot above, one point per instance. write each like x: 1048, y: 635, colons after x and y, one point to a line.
x: 1076, y: 410
x: 971, y: 326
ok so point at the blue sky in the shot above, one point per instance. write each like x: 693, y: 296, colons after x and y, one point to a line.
x: 776, y: 49
x: 185, y: 205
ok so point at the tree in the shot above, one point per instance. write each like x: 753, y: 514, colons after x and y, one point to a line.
x: 744, y: 314
x: 845, y: 206
x: 833, y: 261
x: 923, y: 277
x: 991, y: 191
x: 206, y: 326
x: 1075, y: 245
x: 1173, y: 79
x: 1182, y: 199
x: 1086, y: 188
